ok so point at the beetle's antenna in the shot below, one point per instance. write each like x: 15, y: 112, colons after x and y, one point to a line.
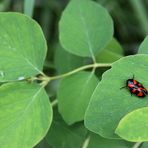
x: 123, y: 87
x: 133, y: 76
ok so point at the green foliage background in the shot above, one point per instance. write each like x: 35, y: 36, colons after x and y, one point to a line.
x: 92, y: 96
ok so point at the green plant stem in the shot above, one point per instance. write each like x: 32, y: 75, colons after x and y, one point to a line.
x: 54, y: 103
x: 81, y: 68
x: 137, y: 145
x: 46, y: 79
x: 28, y: 7
x: 86, y: 142
x: 94, y: 59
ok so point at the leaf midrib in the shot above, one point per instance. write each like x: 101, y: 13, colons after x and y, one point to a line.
x: 82, y: 92
x: 20, y: 55
x: 25, y: 110
x: 86, y: 32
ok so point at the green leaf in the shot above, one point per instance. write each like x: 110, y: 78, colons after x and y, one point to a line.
x: 74, y: 94
x: 144, y: 145
x: 109, y: 102
x: 25, y: 114
x: 65, y: 62
x: 112, y: 52
x: 22, y: 47
x: 85, y: 28
x: 98, y: 141
x: 143, y: 49
x: 42, y: 144
x: 61, y: 135
x: 136, y: 123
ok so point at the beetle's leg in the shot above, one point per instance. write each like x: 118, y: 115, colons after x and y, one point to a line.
x: 123, y: 87
x: 133, y: 76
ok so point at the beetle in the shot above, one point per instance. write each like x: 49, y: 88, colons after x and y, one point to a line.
x: 135, y: 88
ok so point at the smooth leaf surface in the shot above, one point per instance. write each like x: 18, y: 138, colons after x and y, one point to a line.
x: 143, y: 49
x: 22, y: 47
x: 61, y: 135
x: 144, y: 145
x: 109, y: 103
x: 74, y: 94
x: 25, y: 114
x: 136, y: 123
x: 85, y: 28
x: 65, y: 61
x: 111, y: 53
x: 42, y: 144
x: 100, y: 142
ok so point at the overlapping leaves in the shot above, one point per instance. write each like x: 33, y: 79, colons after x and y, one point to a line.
x: 109, y: 103
x: 22, y: 47
x: 85, y: 28
x: 25, y: 112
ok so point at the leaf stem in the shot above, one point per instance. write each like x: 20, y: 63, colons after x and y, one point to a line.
x: 46, y: 79
x: 86, y: 142
x: 95, y: 65
x: 137, y: 145
x: 94, y: 59
x: 54, y: 102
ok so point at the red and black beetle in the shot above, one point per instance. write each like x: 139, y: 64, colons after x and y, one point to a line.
x: 136, y: 88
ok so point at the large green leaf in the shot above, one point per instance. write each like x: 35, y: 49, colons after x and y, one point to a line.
x: 25, y: 114
x: 97, y: 141
x: 144, y: 46
x: 22, y: 47
x: 42, y: 144
x: 112, y: 52
x: 85, y: 28
x: 65, y: 61
x: 136, y: 123
x: 74, y: 94
x: 61, y: 135
x: 109, y: 103
x: 144, y: 145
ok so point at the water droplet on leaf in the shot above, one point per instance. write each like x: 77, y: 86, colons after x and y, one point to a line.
x: 21, y: 78
x: 1, y: 74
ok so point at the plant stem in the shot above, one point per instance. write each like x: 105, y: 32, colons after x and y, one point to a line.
x: 81, y: 68
x: 86, y: 142
x: 137, y: 145
x: 28, y: 7
x: 54, y: 102
x: 46, y: 79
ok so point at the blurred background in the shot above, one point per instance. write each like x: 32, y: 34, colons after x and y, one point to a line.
x: 130, y: 27
x: 130, y: 18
